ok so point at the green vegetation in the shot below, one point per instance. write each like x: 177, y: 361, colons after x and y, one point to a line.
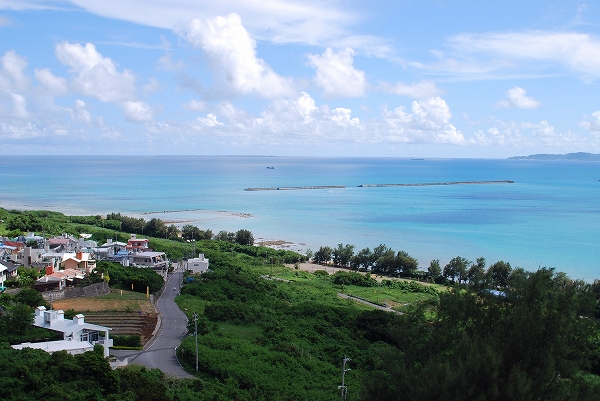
x: 131, y: 277
x: 276, y: 333
x: 31, y: 374
x: 122, y: 341
x: 268, y: 332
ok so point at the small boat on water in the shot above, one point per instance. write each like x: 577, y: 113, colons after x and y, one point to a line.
x: 271, y: 167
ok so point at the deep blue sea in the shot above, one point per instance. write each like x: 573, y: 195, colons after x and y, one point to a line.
x: 549, y: 216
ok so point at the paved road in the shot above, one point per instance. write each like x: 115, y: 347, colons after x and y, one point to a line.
x: 160, y: 351
x: 383, y: 308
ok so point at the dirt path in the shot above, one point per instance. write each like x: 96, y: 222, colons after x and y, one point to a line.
x: 362, y: 301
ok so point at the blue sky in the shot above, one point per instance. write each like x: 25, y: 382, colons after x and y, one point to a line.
x: 290, y: 77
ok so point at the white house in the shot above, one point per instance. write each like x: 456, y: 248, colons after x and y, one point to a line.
x: 197, y: 265
x: 78, y: 336
x: 153, y: 260
x: 3, y: 272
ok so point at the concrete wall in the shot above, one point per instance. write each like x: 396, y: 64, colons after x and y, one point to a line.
x: 93, y: 290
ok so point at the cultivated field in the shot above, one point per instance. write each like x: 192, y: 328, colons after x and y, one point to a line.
x: 116, y: 301
x: 126, y: 312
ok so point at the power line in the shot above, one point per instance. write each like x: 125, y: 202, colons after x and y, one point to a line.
x: 343, y: 387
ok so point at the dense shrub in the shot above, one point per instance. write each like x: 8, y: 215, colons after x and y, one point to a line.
x: 122, y: 340
x: 353, y: 278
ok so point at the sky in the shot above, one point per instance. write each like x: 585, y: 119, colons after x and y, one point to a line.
x: 389, y: 78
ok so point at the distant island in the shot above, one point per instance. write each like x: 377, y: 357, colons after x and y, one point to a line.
x: 582, y: 156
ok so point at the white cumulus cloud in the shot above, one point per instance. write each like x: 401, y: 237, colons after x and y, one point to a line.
x: 232, y: 52
x: 594, y: 124
x: 336, y: 75
x: 209, y: 121
x: 517, y: 96
x: 52, y: 84
x: 94, y: 74
x: 429, y: 122
x: 20, y: 105
x: 80, y: 113
x: 137, y: 111
x: 12, y: 76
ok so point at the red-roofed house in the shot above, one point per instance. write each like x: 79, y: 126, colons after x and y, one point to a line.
x: 137, y: 244
x: 81, y: 261
x: 14, y: 250
x: 58, y: 279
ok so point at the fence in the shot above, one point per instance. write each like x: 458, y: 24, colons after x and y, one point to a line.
x: 93, y: 290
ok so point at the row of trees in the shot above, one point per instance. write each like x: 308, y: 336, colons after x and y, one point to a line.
x: 474, y: 274
x: 381, y: 260
x: 385, y: 261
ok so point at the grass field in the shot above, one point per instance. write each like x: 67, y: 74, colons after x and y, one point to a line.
x: 395, y: 298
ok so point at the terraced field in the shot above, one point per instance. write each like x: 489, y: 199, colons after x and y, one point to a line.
x: 125, y: 312
x: 128, y: 323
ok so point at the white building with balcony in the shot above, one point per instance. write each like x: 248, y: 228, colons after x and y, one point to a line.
x: 78, y: 336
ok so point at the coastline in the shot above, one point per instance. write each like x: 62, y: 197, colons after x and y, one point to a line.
x: 516, y: 223
x: 197, y: 218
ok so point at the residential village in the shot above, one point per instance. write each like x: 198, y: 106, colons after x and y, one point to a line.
x: 62, y: 263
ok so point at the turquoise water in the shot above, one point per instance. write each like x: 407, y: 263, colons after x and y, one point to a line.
x: 549, y: 216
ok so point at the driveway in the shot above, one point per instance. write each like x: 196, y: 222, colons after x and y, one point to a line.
x: 160, y: 351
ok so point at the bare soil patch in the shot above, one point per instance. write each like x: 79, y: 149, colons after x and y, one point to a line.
x: 130, y: 313
x: 114, y: 302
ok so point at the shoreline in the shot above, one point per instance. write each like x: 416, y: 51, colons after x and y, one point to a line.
x: 206, y: 216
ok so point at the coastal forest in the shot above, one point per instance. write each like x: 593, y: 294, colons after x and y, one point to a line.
x: 265, y: 331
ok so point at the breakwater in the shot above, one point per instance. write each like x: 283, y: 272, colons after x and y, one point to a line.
x: 293, y: 188
x: 422, y: 184
x: 437, y: 183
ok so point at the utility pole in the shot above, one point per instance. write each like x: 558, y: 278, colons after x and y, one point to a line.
x: 196, y: 334
x: 343, y: 387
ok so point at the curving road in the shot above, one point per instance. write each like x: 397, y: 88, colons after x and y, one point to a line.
x: 160, y: 351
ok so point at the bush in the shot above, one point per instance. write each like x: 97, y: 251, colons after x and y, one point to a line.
x: 122, y: 340
x: 353, y: 278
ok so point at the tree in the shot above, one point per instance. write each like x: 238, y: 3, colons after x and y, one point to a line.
x: 20, y: 317
x: 190, y: 232
x: 361, y: 259
x: 434, y: 269
x: 456, y: 269
x: 30, y: 297
x: 172, y: 232
x: 309, y: 254
x: 155, y: 228
x: 323, y: 255
x: 221, y: 236
x: 342, y: 254
x: 476, y: 274
x: 27, y: 276
x: 499, y: 273
x: 244, y: 237
x: 406, y: 263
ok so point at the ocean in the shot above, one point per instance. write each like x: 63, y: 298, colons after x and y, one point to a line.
x: 549, y: 216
